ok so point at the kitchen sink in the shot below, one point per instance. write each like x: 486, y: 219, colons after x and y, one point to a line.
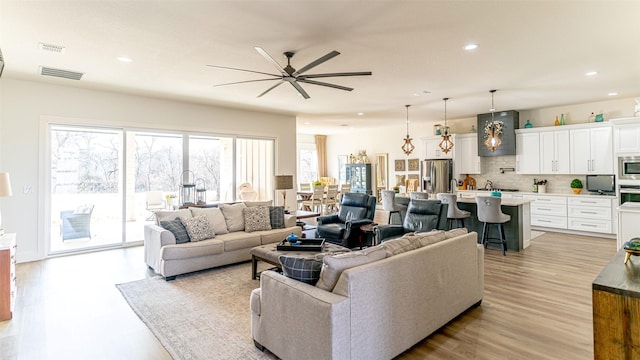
x: 501, y: 190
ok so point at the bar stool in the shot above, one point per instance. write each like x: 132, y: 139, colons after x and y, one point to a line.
x: 454, y: 214
x: 389, y: 204
x: 489, y: 213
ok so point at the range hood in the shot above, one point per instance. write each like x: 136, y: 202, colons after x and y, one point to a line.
x: 510, y: 122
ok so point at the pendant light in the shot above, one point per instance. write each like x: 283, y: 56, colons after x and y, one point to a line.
x: 446, y: 144
x: 407, y: 147
x: 493, y: 129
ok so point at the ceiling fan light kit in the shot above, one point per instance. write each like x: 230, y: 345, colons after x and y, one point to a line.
x: 292, y: 76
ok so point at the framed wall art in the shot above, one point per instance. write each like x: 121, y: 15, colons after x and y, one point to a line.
x: 400, y: 165
x: 414, y: 164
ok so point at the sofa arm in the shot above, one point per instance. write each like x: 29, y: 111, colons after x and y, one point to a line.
x: 292, y: 309
x: 387, y: 232
x: 155, y: 237
x: 289, y: 220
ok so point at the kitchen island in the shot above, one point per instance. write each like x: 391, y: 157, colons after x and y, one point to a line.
x: 517, y: 231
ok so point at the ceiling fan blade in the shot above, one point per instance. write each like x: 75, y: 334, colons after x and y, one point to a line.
x: 246, y: 81
x: 295, y: 84
x: 269, y: 89
x: 266, y: 55
x: 236, y: 69
x: 357, y: 73
x: 313, y: 82
x: 316, y: 62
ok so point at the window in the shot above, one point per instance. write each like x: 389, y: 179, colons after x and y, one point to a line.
x: 307, y: 164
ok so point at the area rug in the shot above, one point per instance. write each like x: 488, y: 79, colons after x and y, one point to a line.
x: 204, y: 315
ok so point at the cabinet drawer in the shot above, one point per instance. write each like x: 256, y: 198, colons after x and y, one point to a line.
x: 589, y: 202
x: 592, y: 225
x: 549, y: 221
x: 548, y: 209
x: 561, y: 200
x: 588, y: 212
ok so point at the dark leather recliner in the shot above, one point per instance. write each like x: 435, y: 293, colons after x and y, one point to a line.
x: 422, y: 216
x: 356, y: 209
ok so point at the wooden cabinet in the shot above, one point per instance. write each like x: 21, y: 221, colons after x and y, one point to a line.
x: 591, y: 150
x: 527, y: 152
x: 359, y: 176
x: 432, y: 149
x: 466, y: 159
x: 554, y: 152
x: 7, y: 276
x: 626, y: 135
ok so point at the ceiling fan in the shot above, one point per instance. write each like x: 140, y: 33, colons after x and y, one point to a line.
x: 293, y: 76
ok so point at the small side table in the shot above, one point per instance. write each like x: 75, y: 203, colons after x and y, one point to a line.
x: 365, y: 232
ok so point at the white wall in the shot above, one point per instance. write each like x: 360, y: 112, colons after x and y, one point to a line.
x: 25, y: 104
x: 389, y: 139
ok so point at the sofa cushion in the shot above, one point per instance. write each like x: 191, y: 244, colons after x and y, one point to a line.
x: 233, y: 216
x: 276, y: 217
x: 277, y: 235
x: 170, y: 215
x: 400, y: 245
x: 456, y: 232
x: 239, y: 240
x: 177, y: 229
x: 256, y: 218
x: 428, y: 238
x: 192, y: 249
x: 215, y: 218
x: 301, y: 269
x: 335, y: 265
x: 198, y: 227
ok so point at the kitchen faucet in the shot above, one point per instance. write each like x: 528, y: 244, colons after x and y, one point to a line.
x: 488, y: 185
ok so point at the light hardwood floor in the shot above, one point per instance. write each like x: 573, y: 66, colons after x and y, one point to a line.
x: 537, y: 305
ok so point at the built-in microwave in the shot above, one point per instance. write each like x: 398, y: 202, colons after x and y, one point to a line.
x: 629, y: 168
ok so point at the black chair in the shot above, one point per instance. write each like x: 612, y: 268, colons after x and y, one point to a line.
x: 356, y: 209
x: 422, y: 216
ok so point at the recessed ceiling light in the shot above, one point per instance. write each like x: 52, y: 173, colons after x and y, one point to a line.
x: 360, y: 113
x: 307, y: 123
x: 591, y: 73
x: 124, y: 59
x: 417, y: 94
x: 612, y: 93
x: 471, y: 47
x: 344, y: 125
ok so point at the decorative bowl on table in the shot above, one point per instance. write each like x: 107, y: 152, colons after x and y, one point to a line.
x: 632, y: 247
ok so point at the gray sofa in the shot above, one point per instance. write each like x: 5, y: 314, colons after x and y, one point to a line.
x: 376, y: 310
x: 230, y: 244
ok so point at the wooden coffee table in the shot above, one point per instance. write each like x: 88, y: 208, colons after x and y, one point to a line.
x: 269, y: 254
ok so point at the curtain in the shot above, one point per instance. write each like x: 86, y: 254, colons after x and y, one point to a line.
x: 321, y: 149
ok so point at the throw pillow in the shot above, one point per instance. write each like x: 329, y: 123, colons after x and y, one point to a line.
x: 198, y: 227
x: 301, y: 269
x: 177, y: 229
x: 233, y: 216
x: 215, y: 217
x: 276, y: 216
x: 258, y: 203
x: 398, y: 246
x: 170, y: 215
x: 335, y: 265
x: 256, y: 218
x: 428, y: 238
x: 456, y: 232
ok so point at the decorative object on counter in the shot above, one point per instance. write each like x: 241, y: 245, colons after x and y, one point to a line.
x: 542, y: 186
x: 473, y: 129
x: 469, y: 183
x: 528, y: 125
x: 496, y: 193
x: 446, y: 144
x: 362, y: 157
x: 493, y: 129
x: 408, y: 146
x: 592, y: 117
x: 631, y: 247
x: 600, y: 117
x: 562, y: 119
x: 557, y: 123
x: 437, y: 130
x: 187, y: 188
x: 576, y: 185
x: 351, y: 159
x: 201, y: 191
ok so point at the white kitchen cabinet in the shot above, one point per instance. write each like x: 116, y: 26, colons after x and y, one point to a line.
x: 591, y: 150
x: 466, y: 159
x: 554, y: 152
x: 527, y: 152
x: 626, y: 135
x: 548, y: 211
x: 628, y: 220
x: 590, y: 214
x: 432, y: 148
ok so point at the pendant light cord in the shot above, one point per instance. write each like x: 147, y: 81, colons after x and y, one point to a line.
x: 407, y: 106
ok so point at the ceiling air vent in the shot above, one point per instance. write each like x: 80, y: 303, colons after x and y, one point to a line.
x: 52, y: 48
x: 73, y: 75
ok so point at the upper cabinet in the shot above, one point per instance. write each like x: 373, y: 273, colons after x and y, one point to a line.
x: 626, y: 135
x: 465, y: 150
x: 554, y: 152
x: 591, y: 150
x: 527, y: 152
x: 432, y: 148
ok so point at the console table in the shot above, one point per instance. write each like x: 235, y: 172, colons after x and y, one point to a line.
x: 616, y: 309
x: 7, y: 276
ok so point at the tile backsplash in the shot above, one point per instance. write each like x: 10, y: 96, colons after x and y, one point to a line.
x: 491, y: 170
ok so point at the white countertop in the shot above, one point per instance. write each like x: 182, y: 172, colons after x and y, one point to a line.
x: 505, y: 201
x: 582, y: 194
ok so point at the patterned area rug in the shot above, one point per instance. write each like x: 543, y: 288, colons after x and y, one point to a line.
x: 204, y: 315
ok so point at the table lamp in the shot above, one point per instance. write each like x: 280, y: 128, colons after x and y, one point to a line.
x: 5, y: 190
x: 284, y: 183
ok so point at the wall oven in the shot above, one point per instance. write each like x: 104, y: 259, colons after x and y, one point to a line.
x: 629, y: 193
x: 629, y: 168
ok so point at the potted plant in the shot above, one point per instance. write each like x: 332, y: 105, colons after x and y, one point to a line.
x: 576, y: 185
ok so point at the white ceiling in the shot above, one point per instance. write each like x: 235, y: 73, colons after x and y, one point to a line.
x: 536, y: 53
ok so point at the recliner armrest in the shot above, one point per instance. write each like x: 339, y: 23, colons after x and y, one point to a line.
x: 386, y: 232
x: 328, y: 219
x: 358, y: 222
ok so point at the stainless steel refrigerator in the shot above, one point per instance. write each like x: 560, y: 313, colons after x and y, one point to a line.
x: 435, y: 176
